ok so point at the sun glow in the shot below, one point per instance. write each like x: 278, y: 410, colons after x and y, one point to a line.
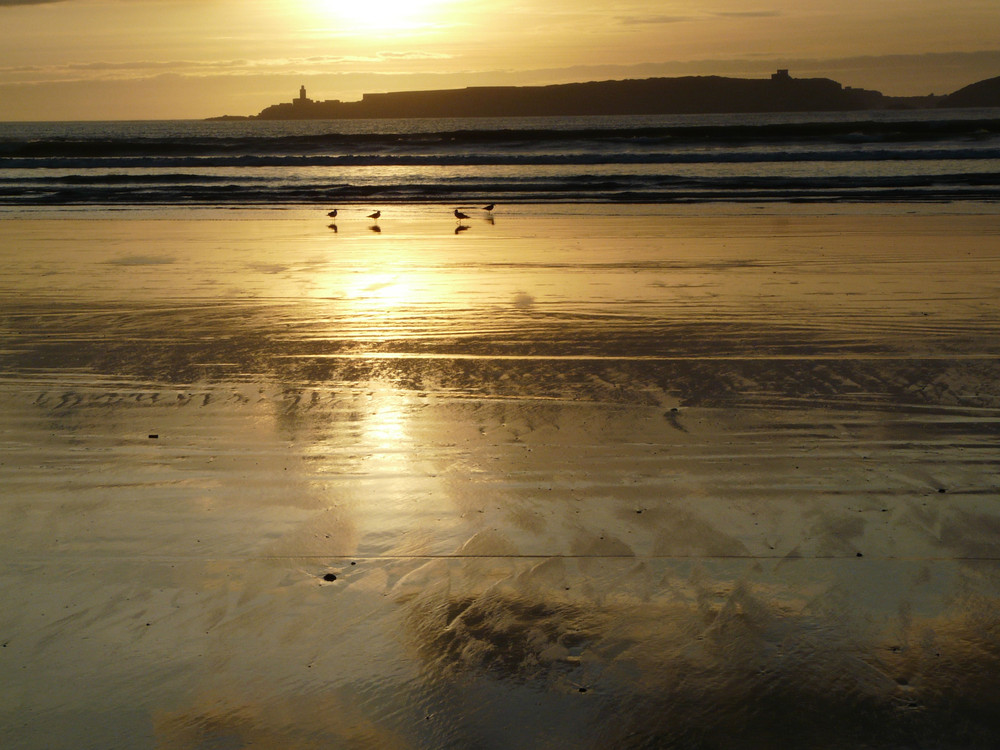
x: 370, y: 15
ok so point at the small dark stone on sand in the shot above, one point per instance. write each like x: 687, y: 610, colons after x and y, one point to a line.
x: 329, y: 577
x: 942, y: 489
x: 582, y: 689
x: 859, y: 555
x: 154, y: 437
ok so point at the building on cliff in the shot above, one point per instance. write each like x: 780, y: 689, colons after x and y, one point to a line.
x: 303, y: 100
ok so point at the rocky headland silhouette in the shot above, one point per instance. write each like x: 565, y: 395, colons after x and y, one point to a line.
x: 982, y: 94
x: 650, y: 96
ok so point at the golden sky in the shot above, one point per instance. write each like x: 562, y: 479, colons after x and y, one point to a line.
x: 166, y: 59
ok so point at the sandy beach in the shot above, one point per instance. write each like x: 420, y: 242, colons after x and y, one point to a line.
x: 576, y: 476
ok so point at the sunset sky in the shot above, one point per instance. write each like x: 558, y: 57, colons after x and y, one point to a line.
x: 166, y: 59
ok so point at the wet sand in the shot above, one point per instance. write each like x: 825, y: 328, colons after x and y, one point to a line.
x: 578, y: 477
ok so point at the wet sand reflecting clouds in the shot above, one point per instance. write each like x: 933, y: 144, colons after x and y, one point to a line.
x: 632, y: 480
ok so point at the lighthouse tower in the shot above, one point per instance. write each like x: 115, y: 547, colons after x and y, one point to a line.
x: 302, y: 97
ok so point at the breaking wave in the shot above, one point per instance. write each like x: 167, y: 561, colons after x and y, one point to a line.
x: 829, y: 156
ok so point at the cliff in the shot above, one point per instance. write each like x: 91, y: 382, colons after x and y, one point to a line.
x: 982, y: 94
x: 651, y: 96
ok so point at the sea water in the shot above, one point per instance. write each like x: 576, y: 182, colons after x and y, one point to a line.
x: 932, y: 155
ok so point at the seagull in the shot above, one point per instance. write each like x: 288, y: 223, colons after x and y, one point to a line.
x: 333, y: 214
x: 460, y: 216
x: 489, y: 207
x: 375, y: 215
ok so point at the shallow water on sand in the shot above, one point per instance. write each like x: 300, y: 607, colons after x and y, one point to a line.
x: 624, y: 481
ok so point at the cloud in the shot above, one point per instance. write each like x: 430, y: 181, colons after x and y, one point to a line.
x: 142, y: 260
x: 652, y: 20
x: 749, y: 14
x: 140, y: 69
x: 412, y: 56
x: 139, y: 65
x: 659, y: 19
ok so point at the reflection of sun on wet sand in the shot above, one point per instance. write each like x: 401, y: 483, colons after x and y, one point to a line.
x: 655, y: 478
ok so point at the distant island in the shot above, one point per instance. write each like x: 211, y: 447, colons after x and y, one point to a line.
x: 650, y: 96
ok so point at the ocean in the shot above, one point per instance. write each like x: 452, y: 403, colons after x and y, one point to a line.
x: 932, y: 155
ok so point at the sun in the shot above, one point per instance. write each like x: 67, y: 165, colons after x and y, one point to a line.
x: 369, y: 15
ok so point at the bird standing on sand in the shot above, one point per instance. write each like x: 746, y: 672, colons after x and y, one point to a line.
x: 489, y: 207
x: 333, y: 214
x: 460, y: 216
x: 375, y: 215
